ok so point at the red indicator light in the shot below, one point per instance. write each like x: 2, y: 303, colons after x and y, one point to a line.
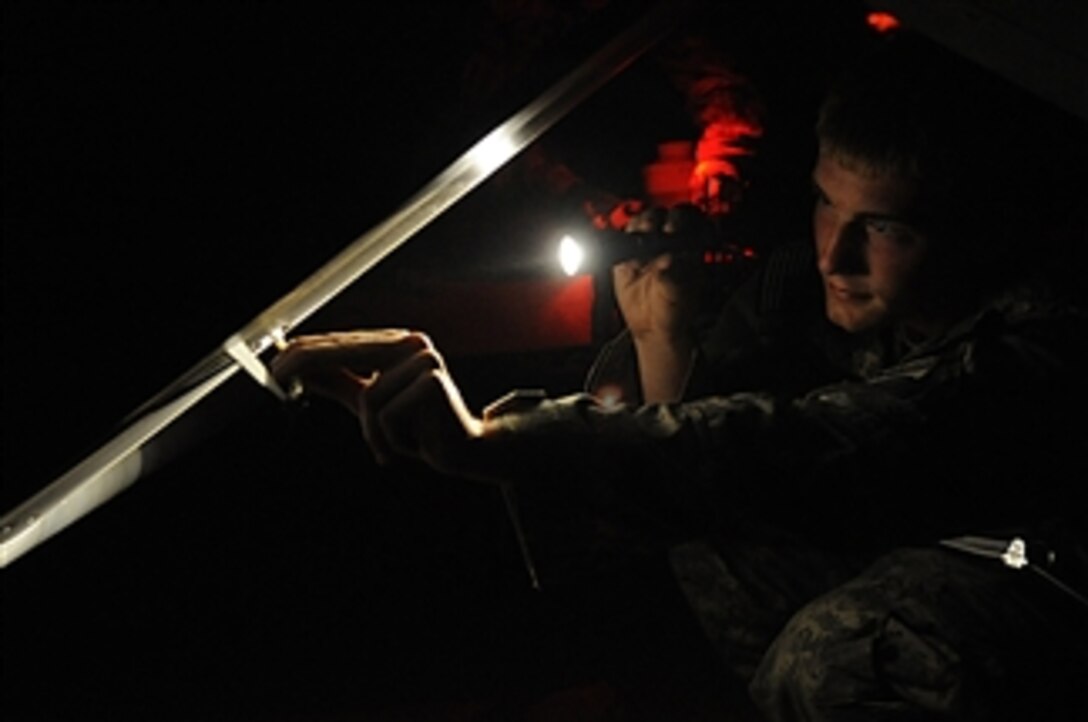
x: 882, y: 22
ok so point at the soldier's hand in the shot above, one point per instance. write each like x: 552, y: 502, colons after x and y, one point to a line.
x: 397, y: 384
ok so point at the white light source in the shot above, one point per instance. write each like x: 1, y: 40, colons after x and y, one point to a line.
x: 571, y: 255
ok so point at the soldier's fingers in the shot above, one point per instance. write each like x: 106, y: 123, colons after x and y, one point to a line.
x: 336, y: 384
x: 360, y: 352
x: 385, y: 436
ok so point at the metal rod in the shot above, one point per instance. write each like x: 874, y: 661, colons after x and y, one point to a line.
x: 519, y: 535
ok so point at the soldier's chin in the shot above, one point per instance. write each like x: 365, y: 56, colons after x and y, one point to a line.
x: 852, y: 317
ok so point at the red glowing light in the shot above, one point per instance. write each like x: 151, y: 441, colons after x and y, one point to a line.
x: 615, y: 217
x: 722, y: 140
x: 882, y: 22
x: 729, y: 256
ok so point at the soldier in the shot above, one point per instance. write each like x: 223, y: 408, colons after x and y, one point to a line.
x: 856, y: 455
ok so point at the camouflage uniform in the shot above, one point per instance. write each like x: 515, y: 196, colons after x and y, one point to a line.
x: 808, y: 479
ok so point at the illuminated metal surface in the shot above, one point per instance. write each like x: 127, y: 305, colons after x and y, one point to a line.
x: 98, y: 478
x: 118, y: 463
x: 237, y: 349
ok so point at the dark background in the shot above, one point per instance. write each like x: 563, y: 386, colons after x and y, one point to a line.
x: 171, y: 169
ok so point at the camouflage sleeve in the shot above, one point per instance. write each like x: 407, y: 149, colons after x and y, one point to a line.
x: 929, y: 447
x: 688, y: 464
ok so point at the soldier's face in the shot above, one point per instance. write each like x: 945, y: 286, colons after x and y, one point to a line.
x: 870, y: 256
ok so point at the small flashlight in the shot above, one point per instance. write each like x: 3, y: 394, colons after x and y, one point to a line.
x: 605, y: 249
x: 683, y: 229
